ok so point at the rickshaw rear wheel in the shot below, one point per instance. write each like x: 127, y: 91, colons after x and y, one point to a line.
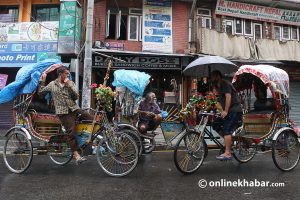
x: 135, y: 135
x: 18, y: 151
x: 286, y: 151
x: 61, y: 153
x: 243, y: 151
x: 190, y: 151
x: 120, y: 158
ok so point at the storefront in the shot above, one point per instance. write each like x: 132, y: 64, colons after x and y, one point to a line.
x: 293, y: 70
x: 162, y: 68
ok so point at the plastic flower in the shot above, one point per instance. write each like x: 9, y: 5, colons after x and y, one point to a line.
x: 105, y: 96
x: 94, y: 85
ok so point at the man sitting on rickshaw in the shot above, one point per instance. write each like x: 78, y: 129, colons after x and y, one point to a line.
x: 231, y: 110
x: 150, y: 114
x: 64, y: 95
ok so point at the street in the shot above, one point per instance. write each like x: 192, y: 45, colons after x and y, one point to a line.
x: 155, y: 177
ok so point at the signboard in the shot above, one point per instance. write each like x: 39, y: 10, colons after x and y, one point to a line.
x: 139, y: 62
x: 16, y: 54
x: 69, y: 28
x: 3, y: 79
x: 157, y: 26
x: 28, y: 31
x: 27, y: 42
x: 114, y: 46
x: 257, y: 12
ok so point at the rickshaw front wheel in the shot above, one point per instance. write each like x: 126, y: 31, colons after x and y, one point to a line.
x: 120, y: 158
x: 18, y: 151
x: 286, y: 150
x: 190, y: 152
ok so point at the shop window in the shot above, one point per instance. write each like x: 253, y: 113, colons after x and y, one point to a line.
x: 294, y: 33
x: 229, y: 26
x: 286, y: 32
x: 248, y: 27
x: 277, y: 32
x: 257, y: 31
x: 205, y: 17
x: 9, y: 14
x: 238, y: 26
x: 45, y: 13
x: 121, y: 26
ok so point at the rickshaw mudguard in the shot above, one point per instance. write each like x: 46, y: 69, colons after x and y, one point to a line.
x: 281, y: 130
x: 127, y: 126
x: 20, y: 128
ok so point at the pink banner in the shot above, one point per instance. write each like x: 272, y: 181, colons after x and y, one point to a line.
x: 3, y: 79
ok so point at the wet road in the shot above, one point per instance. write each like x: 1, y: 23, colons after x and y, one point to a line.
x: 154, y: 178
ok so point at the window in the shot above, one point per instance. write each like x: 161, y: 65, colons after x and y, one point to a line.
x: 205, y: 17
x: 248, y: 27
x: 257, y: 31
x: 121, y: 26
x: 229, y: 26
x: 45, y: 12
x: 277, y: 32
x: 238, y: 25
x: 294, y: 33
x: 9, y: 14
x: 286, y: 32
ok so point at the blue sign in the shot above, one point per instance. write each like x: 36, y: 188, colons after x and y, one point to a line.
x: 16, y: 54
x: 165, y: 3
x: 24, y: 47
x: 18, y: 57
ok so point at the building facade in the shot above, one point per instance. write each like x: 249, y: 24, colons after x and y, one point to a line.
x: 252, y: 32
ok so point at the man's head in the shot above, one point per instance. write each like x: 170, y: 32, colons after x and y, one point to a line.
x: 63, y: 73
x: 150, y: 97
x: 216, y: 77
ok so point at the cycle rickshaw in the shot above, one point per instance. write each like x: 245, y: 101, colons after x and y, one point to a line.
x: 130, y: 86
x: 266, y: 124
x: 38, y: 131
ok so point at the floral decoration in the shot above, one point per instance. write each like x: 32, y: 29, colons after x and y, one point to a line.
x: 199, y: 103
x: 104, y: 95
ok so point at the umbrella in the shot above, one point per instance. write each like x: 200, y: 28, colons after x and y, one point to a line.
x: 204, y: 65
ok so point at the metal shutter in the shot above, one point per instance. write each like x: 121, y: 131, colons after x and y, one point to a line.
x: 294, y: 99
x: 6, y: 115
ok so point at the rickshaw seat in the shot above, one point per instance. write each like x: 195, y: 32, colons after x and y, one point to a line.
x: 45, y: 124
x: 258, y: 122
x: 45, y: 118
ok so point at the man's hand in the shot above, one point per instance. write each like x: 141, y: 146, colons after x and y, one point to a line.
x: 150, y: 114
x: 67, y: 82
x: 43, y: 77
x: 224, y: 114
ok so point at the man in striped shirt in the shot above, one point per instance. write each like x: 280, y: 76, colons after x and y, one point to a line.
x: 65, y: 94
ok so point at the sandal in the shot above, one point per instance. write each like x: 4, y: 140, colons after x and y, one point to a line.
x: 80, y: 160
x: 223, y: 157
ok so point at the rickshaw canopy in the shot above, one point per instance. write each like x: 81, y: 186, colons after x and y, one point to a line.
x: 27, y: 79
x: 274, y: 78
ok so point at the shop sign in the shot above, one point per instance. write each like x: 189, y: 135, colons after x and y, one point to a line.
x: 136, y: 62
x: 114, y: 46
x: 257, y: 12
x: 16, y: 54
x: 157, y: 26
x: 69, y: 27
x: 3, y: 79
x: 28, y: 31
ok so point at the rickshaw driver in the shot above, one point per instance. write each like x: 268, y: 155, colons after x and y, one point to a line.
x: 64, y: 95
x: 150, y: 114
x: 231, y: 110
